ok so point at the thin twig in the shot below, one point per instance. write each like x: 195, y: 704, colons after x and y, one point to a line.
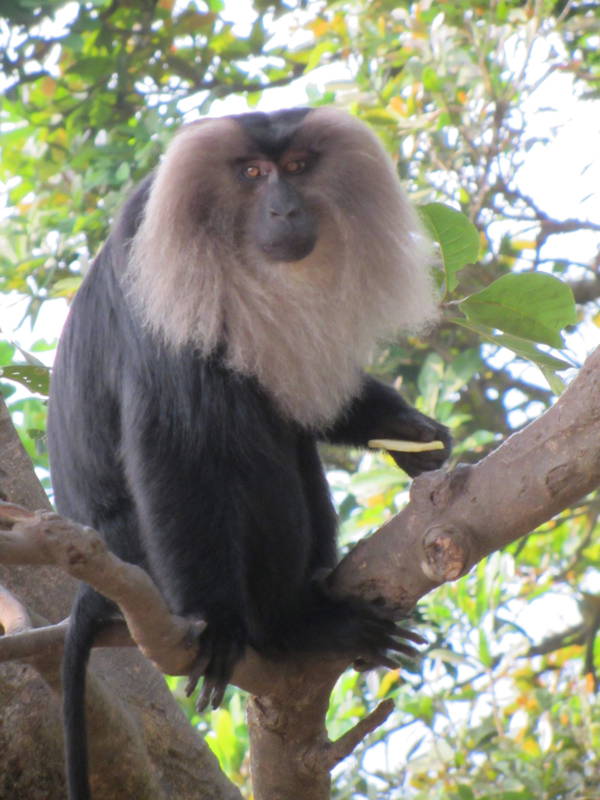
x: 346, y: 744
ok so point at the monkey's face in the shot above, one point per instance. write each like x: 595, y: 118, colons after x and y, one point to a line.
x: 281, y: 223
x: 285, y: 242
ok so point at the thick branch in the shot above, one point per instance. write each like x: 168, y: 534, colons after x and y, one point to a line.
x: 168, y: 640
x: 141, y: 743
x: 31, y: 642
x: 455, y: 519
x: 14, y: 617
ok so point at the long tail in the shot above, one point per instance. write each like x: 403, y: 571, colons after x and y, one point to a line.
x: 84, y: 624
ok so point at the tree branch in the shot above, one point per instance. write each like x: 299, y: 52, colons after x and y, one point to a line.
x: 14, y: 617
x: 35, y: 641
x: 140, y: 741
x: 168, y: 640
x: 346, y: 744
x: 46, y: 538
x: 452, y: 521
x: 455, y: 519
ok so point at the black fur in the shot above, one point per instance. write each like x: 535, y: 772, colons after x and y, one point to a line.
x: 191, y: 471
x: 273, y: 132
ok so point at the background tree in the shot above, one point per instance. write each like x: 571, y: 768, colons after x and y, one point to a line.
x: 498, y: 707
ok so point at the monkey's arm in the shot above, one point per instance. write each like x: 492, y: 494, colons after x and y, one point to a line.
x: 380, y: 412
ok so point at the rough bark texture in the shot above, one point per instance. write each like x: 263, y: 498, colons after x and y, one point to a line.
x: 291, y: 729
x: 141, y: 742
x: 455, y: 519
x: 452, y: 521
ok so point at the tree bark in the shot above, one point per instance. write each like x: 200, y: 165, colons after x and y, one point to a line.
x: 142, y: 746
x: 455, y: 519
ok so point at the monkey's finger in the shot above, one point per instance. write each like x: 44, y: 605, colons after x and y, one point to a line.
x: 389, y: 643
x: 204, y: 698
x: 416, y: 463
x: 191, y: 684
x: 377, y: 642
x: 377, y: 659
x: 218, y: 693
x: 382, y: 660
x: 387, y: 637
x: 413, y: 636
x: 405, y: 649
x: 197, y: 671
x: 415, y: 427
x: 399, y: 654
x: 212, y: 694
x: 403, y: 636
x: 390, y: 618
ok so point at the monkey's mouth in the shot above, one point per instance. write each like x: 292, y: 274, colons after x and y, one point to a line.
x: 287, y: 250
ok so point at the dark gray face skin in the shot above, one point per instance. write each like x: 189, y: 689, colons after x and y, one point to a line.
x: 284, y: 228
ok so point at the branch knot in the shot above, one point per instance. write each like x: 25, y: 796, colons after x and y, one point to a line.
x: 446, y: 553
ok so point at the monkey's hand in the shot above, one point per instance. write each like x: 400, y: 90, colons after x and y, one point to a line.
x: 220, y: 646
x: 410, y: 424
x: 379, y: 412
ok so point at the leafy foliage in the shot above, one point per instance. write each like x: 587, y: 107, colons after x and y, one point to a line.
x: 502, y: 706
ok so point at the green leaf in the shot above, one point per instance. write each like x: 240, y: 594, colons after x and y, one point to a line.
x: 421, y: 707
x: 317, y: 53
x: 431, y: 80
x: 35, y: 378
x: 123, y: 172
x: 554, y: 382
x: 484, y: 653
x: 223, y: 734
x: 93, y: 67
x: 530, y: 305
x: 461, y: 369
x: 457, y: 236
x: 65, y: 287
x: 547, y: 363
x: 431, y: 376
x: 6, y: 351
x: 374, y: 481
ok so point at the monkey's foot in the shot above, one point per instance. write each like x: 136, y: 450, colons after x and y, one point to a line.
x: 220, y: 646
x: 367, y: 634
x: 384, y: 641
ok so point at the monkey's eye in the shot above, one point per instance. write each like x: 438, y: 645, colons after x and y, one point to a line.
x: 252, y: 171
x: 295, y: 167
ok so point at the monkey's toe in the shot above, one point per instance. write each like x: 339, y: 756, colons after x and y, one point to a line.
x: 219, y: 649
